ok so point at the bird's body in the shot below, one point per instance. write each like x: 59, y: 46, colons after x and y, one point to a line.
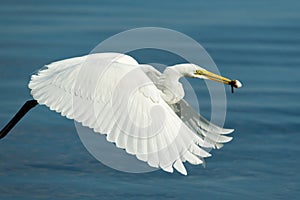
x: 139, y: 109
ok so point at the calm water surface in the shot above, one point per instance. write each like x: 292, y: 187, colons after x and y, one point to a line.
x: 257, y: 41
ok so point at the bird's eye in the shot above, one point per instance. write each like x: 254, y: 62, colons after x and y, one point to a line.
x: 199, y: 72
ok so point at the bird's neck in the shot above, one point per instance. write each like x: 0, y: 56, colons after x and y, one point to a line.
x: 172, y: 74
x: 178, y: 71
x: 172, y: 90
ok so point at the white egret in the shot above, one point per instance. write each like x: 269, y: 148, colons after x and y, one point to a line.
x: 139, y: 109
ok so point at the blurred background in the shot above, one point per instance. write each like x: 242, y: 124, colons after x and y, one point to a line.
x: 255, y: 41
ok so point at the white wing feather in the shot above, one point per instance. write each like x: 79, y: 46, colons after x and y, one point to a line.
x: 110, y: 93
x: 205, y: 129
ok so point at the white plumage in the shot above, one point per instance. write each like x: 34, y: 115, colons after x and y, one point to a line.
x: 137, y: 107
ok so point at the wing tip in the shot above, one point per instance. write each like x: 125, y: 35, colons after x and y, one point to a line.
x: 178, y: 165
x: 227, y: 130
x: 168, y: 169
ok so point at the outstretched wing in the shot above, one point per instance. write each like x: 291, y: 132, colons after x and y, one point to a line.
x: 198, y: 124
x: 208, y: 131
x: 110, y: 93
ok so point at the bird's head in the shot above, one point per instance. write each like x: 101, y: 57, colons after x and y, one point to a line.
x: 194, y: 71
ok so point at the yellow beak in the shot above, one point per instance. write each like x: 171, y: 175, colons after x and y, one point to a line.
x: 217, y: 78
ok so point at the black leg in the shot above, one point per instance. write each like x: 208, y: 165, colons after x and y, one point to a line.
x: 25, y: 108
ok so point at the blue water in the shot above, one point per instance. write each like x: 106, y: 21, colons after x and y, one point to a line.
x: 256, y: 41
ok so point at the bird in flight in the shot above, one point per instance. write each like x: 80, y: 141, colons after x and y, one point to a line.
x: 137, y: 107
